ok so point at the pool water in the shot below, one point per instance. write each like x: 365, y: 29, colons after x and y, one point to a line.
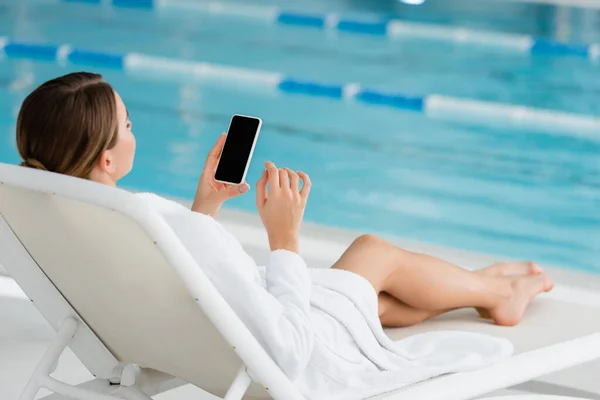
x: 517, y: 193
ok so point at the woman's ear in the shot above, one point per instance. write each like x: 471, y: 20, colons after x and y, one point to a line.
x: 106, y: 162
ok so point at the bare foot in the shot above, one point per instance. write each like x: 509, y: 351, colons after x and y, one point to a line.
x: 511, y: 268
x: 525, y: 288
x: 548, y: 286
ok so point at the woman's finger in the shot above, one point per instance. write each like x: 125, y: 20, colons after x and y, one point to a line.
x: 284, y: 179
x: 294, y: 180
x: 212, y: 160
x: 273, y: 175
x: 261, y: 190
x: 305, y: 185
x: 236, y: 190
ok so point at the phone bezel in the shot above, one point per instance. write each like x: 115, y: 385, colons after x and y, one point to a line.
x: 251, y: 150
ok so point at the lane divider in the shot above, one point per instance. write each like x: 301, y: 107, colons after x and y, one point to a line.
x: 432, y: 105
x: 592, y: 4
x: 392, y: 28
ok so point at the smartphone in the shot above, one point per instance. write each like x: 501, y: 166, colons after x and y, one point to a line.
x: 237, y: 151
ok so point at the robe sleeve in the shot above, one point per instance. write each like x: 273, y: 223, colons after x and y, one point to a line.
x: 278, y: 313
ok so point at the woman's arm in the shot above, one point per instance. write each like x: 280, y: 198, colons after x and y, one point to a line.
x: 281, y: 208
x: 277, y: 314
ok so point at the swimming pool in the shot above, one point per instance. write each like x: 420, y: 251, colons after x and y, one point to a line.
x: 522, y: 193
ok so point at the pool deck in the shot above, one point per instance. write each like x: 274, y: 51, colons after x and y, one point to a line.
x: 24, y: 333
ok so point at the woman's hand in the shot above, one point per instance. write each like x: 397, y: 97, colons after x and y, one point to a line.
x: 281, y: 207
x: 210, y: 194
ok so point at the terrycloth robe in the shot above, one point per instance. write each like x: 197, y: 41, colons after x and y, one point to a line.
x: 319, y: 325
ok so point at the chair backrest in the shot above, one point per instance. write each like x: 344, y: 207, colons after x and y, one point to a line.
x: 124, y: 272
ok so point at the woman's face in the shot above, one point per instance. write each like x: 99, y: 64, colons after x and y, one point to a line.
x: 123, y: 153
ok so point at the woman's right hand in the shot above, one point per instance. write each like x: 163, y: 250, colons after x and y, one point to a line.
x: 281, y: 206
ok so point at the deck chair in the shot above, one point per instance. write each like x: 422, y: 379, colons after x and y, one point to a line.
x: 123, y: 293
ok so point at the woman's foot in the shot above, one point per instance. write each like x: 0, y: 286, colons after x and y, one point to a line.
x: 510, y: 269
x: 524, y: 289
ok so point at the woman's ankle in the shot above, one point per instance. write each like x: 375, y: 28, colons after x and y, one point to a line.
x: 499, y: 290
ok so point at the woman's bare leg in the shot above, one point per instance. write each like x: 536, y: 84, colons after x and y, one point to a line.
x: 394, y: 313
x: 426, y: 283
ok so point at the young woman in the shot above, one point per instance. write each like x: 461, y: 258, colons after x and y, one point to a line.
x: 322, y: 326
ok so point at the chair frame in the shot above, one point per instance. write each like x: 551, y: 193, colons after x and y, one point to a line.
x: 112, y: 377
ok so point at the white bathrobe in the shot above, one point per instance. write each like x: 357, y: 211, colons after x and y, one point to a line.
x: 321, y: 326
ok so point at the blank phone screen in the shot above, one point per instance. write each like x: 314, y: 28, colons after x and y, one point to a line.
x: 236, y: 151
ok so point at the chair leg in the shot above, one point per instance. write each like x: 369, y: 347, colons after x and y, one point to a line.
x: 76, y: 392
x: 50, y: 358
x: 100, y: 386
x: 103, y: 388
x: 240, y: 385
x: 96, y: 389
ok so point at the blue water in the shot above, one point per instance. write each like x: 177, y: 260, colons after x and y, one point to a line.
x: 521, y: 194
x: 392, y: 65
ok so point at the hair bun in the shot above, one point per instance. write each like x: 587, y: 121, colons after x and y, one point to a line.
x: 33, y: 163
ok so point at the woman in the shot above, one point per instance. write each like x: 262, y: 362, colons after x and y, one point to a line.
x: 322, y: 326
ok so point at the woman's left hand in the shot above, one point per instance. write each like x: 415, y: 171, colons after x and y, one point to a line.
x: 210, y: 194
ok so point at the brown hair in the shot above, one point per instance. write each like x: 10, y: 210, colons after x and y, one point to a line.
x: 65, y: 124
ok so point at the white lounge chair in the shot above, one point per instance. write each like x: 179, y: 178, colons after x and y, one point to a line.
x: 123, y: 293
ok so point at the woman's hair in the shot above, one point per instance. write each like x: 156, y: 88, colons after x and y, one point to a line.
x: 65, y: 124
